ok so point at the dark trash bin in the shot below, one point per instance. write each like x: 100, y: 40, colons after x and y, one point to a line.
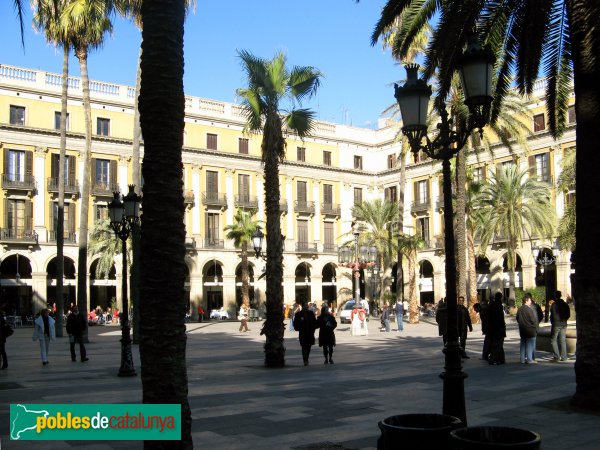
x: 488, y: 438
x: 420, y: 431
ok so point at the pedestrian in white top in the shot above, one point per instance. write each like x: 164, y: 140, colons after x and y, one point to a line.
x: 44, y: 332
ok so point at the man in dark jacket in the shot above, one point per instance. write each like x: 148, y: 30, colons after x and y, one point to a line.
x: 496, y: 330
x: 75, y: 329
x: 305, y: 323
x: 559, y: 314
x: 527, y: 319
x: 441, y: 313
x: 464, y: 324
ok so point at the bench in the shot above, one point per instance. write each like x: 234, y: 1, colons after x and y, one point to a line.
x: 543, y: 343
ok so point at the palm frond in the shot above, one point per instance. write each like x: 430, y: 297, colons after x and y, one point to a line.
x: 300, y: 121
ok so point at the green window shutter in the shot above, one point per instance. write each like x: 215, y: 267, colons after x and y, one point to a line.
x: 113, y: 173
x: 29, y: 215
x: 28, y: 163
x: 71, y: 175
x: 71, y: 218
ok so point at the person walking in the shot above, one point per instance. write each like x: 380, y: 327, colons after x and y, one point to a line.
x: 75, y: 330
x: 44, y: 332
x: 559, y: 314
x: 385, y: 318
x: 3, y: 337
x: 440, y: 318
x: 496, y: 330
x: 464, y: 325
x: 326, y: 324
x: 399, y: 310
x: 306, y: 323
x: 292, y: 314
x: 243, y: 318
x: 527, y: 319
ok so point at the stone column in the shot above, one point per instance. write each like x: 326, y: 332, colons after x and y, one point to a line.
x: 39, y: 201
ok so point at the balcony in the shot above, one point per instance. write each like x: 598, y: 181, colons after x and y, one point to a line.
x: 214, y: 199
x: 214, y: 243
x: 18, y: 235
x: 304, y: 207
x: 188, y: 198
x: 18, y: 182
x: 246, y: 201
x: 104, y: 189
x: 69, y: 237
x: 420, y: 206
x: 330, y: 209
x: 71, y: 186
x: 330, y: 248
x: 306, y: 247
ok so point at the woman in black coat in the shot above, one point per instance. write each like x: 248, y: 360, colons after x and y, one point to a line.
x: 496, y: 330
x: 326, y: 323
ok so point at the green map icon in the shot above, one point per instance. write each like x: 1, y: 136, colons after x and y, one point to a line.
x: 24, y: 420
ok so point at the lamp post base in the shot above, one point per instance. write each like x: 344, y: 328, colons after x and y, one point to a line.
x: 454, y: 383
x: 127, y: 369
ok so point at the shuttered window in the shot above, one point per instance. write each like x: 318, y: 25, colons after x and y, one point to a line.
x: 357, y: 196
x: 18, y: 217
x: 327, y: 194
x: 69, y: 168
x: 301, y: 154
x: 69, y: 216
x: 243, y: 146
x: 326, y: 158
x: 358, y: 162
x: 212, y: 227
x: 539, y: 165
x: 390, y: 194
x: 57, y: 120
x: 571, y: 114
x: 244, y: 187
x: 301, y: 194
x: 211, y: 141
x: 391, y: 161
x: 328, y: 234
x: 212, y: 181
x: 539, y: 123
x: 421, y: 192
x: 423, y: 228
x: 303, y: 231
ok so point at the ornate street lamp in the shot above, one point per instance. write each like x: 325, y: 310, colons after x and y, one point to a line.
x: 544, y: 261
x: 476, y: 68
x: 257, y: 241
x: 123, y: 215
x: 357, y: 258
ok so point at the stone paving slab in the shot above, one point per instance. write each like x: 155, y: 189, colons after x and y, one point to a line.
x: 236, y: 403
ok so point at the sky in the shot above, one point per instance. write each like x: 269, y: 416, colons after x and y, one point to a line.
x: 330, y: 35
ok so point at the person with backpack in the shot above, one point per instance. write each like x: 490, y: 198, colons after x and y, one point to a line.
x: 326, y: 323
x: 559, y: 314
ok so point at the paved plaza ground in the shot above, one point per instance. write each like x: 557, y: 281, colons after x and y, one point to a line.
x: 238, y: 404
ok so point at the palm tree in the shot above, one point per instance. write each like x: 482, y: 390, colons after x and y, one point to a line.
x: 162, y: 269
x: 511, y: 206
x: 87, y: 22
x: 410, y: 245
x: 563, y: 37
x: 47, y: 17
x: 104, y: 243
x: 241, y: 233
x: 566, y: 184
x: 269, y: 82
x: 376, y: 219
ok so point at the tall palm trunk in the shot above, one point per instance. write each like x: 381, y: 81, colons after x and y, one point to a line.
x: 245, y: 277
x: 585, y: 45
x: 273, y: 328
x: 162, y: 268
x: 460, y: 229
x: 401, y: 189
x: 472, y: 271
x: 413, y: 302
x: 135, y: 232
x: 60, y: 213
x: 82, y: 300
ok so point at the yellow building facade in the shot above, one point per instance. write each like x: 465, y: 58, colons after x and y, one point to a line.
x: 321, y: 179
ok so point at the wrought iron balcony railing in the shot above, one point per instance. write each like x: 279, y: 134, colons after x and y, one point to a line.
x: 214, y: 199
x: 18, y: 181
x: 301, y: 206
x: 330, y: 209
x: 213, y: 243
x: 246, y: 201
x: 104, y: 189
x: 71, y: 186
x: 18, y: 235
x: 68, y: 236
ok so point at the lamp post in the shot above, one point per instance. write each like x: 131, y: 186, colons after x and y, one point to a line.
x: 476, y: 67
x: 357, y: 258
x: 257, y: 242
x: 123, y: 215
x: 544, y: 261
